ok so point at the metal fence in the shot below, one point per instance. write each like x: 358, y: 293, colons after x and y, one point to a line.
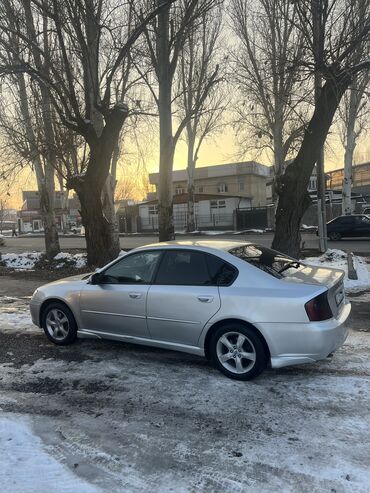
x: 202, y: 221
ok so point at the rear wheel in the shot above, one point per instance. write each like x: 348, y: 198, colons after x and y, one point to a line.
x: 238, y: 352
x: 334, y: 236
x: 59, y: 324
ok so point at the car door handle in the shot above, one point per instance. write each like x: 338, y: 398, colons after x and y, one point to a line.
x: 135, y: 295
x: 205, y: 299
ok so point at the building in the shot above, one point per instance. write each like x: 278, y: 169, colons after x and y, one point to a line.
x: 67, y: 213
x: 360, y: 179
x: 8, y: 220
x: 312, y: 184
x: 211, y: 211
x: 245, y: 179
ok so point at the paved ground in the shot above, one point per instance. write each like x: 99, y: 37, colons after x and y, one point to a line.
x: 129, y: 418
x: 23, y: 244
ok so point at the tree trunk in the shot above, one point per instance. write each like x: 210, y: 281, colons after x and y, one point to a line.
x: 348, y: 154
x: 101, y: 242
x: 166, y: 150
x: 293, y: 196
x: 278, y: 164
x: 109, y: 210
x: 191, y: 187
x: 100, y: 248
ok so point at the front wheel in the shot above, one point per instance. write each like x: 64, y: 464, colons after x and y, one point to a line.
x: 334, y: 236
x: 59, y: 324
x: 238, y: 352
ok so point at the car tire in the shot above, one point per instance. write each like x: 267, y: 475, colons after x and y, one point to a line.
x: 59, y: 324
x: 229, y: 343
x: 335, y: 236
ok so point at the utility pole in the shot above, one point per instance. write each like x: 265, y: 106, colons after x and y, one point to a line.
x: 319, y: 37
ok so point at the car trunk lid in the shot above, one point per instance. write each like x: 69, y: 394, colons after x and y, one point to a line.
x: 322, y: 276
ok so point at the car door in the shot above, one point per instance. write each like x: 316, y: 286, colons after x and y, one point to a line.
x: 362, y: 226
x: 344, y: 225
x: 117, y: 305
x: 182, y: 298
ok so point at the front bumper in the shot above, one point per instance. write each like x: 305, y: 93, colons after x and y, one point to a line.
x: 293, y: 344
x: 35, y: 312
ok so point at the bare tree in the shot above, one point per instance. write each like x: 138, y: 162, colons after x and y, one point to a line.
x: 271, y: 104
x: 165, y: 39
x: 353, y: 114
x: 2, y: 214
x: 334, y: 62
x: 91, y: 40
x: 28, y: 130
x: 201, y: 103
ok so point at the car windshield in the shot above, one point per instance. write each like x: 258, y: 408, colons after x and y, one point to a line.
x: 266, y: 259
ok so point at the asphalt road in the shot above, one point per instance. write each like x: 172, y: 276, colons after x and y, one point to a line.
x: 29, y: 243
x: 130, y: 418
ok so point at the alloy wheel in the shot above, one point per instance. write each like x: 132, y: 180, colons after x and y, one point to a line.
x: 57, y: 324
x: 236, y: 352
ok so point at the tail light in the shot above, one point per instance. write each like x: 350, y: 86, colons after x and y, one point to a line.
x: 318, y: 308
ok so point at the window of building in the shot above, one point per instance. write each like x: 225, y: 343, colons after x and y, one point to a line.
x: 222, y: 188
x: 179, y: 190
x: 241, y: 186
x: 201, y: 189
x: 36, y: 224
x: 218, y: 204
x: 153, y: 210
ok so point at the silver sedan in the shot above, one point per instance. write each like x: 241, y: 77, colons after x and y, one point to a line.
x: 242, y: 305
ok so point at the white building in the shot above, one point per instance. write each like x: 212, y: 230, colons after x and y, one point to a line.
x: 212, y: 211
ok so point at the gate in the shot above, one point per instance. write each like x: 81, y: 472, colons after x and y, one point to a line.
x: 254, y: 218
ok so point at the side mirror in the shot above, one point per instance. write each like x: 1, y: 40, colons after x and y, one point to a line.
x: 95, y: 278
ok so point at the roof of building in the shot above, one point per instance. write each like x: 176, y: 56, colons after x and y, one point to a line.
x: 360, y: 165
x: 182, y: 198
x: 218, y: 171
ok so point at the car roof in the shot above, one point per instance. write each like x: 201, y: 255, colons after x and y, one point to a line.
x: 224, y: 245
x: 348, y: 215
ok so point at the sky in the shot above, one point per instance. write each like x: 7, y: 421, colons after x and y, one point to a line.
x: 218, y: 149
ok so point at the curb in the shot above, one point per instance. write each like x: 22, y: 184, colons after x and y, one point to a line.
x: 352, y: 273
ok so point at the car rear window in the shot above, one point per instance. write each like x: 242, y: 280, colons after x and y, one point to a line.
x: 266, y: 259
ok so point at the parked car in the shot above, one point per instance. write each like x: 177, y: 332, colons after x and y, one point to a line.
x: 356, y: 225
x: 2, y: 240
x: 242, y: 305
x: 366, y: 211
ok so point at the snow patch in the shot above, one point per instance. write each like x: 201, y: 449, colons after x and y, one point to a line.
x: 77, y: 260
x: 25, y: 464
x: 337, y: 259
x: 20, y: 261
x: 28, y: 260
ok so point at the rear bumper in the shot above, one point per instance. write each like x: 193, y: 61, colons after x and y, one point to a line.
x: 293, y: 344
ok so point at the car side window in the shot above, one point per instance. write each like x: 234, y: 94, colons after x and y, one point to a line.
x: 362, y: 221
x: 183, y: 267
x: 221, y: 273
x: 137, y: 268
x: 345, y: 221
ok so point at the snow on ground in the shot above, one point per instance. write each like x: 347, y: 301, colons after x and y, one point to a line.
x: 26, y: 466
x: 15, y: 314
x: 21, y: 261
x: 77, y: 259
x: 140, y: 419
x: 28, y: 260
x: 337, y: 259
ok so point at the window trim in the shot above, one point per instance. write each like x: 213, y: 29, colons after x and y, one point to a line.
x: 205, y: 254
x: 120, y: 259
